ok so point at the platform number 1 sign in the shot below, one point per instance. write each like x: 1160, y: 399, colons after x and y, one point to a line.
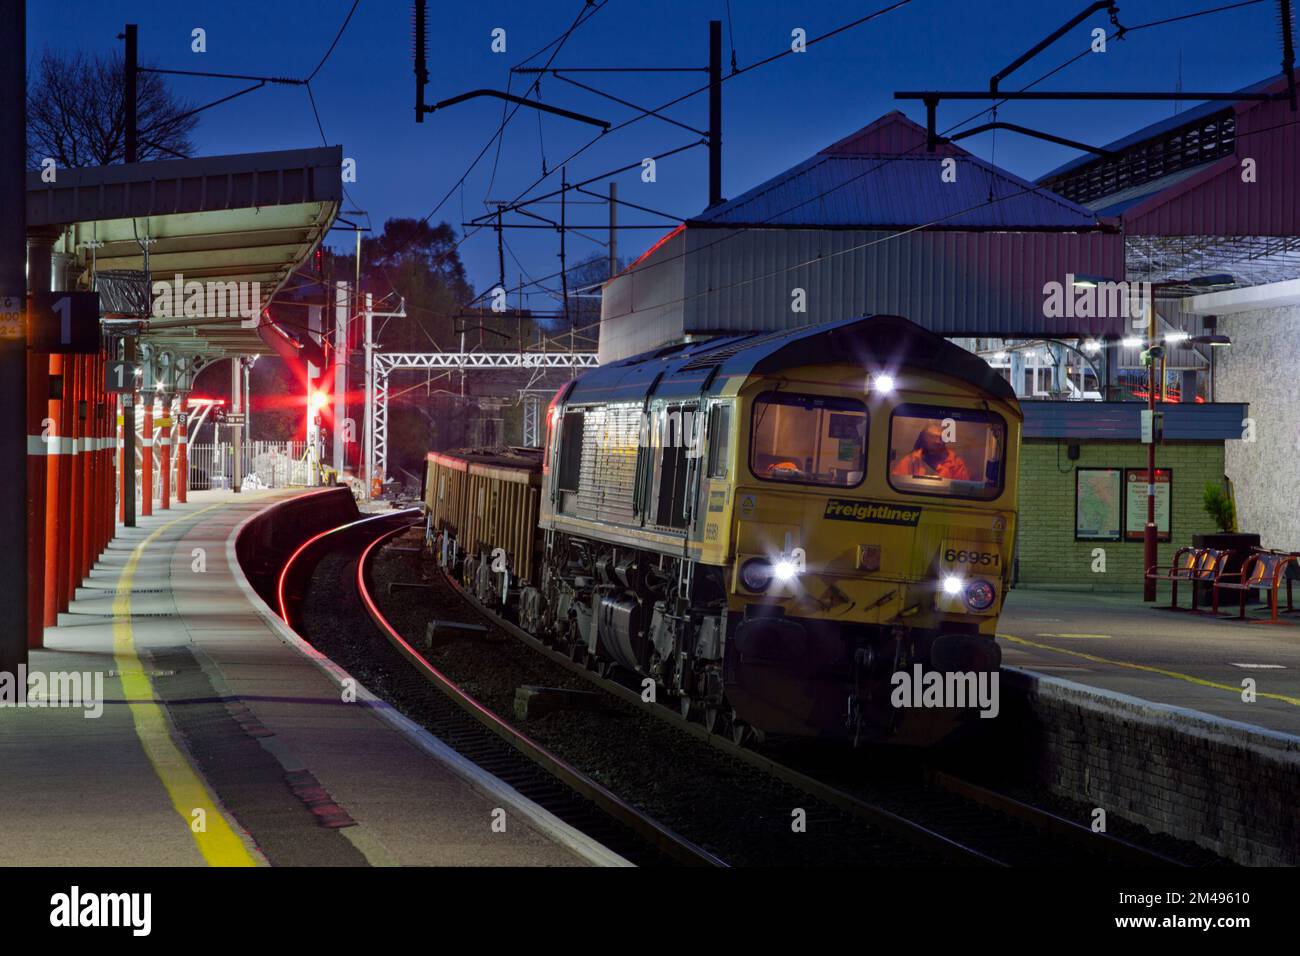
x: 65, y: 322
x: 120, y: 377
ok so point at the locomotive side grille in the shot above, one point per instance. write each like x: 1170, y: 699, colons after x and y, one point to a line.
x: 608, y: 472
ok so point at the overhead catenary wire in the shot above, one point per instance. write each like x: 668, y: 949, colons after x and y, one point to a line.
x: 732, y: 234
x: 834, y: 32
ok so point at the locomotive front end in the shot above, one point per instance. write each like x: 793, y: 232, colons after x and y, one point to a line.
x: 872, y: 528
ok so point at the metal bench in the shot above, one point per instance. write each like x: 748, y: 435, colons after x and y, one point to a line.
x: 1181, y: 569
x: 1262, y: 571
x: 1211, y: 564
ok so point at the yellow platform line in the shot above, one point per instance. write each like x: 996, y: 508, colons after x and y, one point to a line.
x: 218, y: 843
x: 1176, y: 675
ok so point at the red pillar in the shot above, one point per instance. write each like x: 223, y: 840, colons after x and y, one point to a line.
x: 182, y: 454
x: 146, y: 455
x: 38, y: 397
x: 110, y: 458
x: 128, y: 421
x: 56, y: 489
x: 72, y: 505
x: 165, y: 455
x: 90, y: 476
x: 104, y: 461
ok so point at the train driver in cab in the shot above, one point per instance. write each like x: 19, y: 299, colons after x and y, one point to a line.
x: 931, y: 457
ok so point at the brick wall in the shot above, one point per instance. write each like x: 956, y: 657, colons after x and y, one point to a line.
x: 1260, y: 368
x: 1223, y: 785
x: 1046, y: 549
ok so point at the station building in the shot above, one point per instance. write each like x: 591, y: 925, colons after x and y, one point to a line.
x: 878, y: 223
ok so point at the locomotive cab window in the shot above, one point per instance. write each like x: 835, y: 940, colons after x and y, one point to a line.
x: 954, y: 452
x: 570, y: 452
x: 679, y: 434
x: 809, y: 439
x: 719, y: 440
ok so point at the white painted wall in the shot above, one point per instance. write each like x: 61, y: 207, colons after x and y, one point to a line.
x: 1262, y: 367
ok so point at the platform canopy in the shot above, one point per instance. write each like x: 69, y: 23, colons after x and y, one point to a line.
x: 1211, y: 190
x: 242, y: 219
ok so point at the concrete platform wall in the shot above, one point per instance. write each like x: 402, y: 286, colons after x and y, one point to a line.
x: 1225, y: 786
x: 270, y: 538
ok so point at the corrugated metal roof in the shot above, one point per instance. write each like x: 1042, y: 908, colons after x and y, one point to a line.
x: 899, y: 192
x: 1115, y: 203
x: 884, y: 342
x: 1220, y: 199
x: 1188, y: 117
x: 845, y: 186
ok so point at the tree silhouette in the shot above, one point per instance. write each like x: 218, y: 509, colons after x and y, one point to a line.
x: 76, y: 113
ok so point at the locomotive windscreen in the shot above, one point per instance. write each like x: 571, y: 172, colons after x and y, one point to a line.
x: 809, y: 439
x: 946, y: 451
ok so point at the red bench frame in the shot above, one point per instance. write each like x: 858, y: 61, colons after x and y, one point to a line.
x: 1181, y: 568
x: 1262, y: 570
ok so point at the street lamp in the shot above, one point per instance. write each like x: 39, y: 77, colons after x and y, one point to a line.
x: 1153, y: 353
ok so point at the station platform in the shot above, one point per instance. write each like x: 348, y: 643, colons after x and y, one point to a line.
x: 223, y: 739
x: 1118, y: 643
x: 1144, y: 713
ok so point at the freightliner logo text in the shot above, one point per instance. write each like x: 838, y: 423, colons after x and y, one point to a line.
x: 848, y: 509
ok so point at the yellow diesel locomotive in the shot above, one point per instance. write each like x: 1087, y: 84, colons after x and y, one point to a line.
x: 771, y: 527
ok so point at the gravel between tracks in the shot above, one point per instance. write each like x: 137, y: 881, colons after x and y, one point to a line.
x: 731, y: 809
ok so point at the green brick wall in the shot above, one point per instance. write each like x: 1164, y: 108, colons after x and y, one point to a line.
x: 1046, y: 549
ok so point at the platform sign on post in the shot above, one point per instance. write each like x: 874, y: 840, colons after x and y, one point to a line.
x: 119, y: 376
x: 1135, y: 503
x: 65, y: 322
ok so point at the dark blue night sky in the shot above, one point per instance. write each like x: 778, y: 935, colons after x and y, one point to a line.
x: 773, y: 117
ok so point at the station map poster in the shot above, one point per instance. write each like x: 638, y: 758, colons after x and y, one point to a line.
x: 1135, y: 494
x: 1098, y: 496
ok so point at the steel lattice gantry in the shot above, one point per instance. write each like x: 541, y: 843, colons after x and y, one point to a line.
x: 386, y: 363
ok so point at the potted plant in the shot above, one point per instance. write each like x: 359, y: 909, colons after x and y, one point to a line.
x: 1222, y: 509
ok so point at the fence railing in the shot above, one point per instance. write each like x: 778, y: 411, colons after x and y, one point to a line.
x: 266, y: 464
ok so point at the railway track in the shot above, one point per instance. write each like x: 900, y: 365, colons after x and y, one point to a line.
x: 945, y: 816
x: 344, y: 623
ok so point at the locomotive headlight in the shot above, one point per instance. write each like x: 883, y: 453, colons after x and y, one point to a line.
x: 980, y: 595
x: 952, y: 584
x: 884, y: 384
x: 784, y: 570
x: 756, y: 574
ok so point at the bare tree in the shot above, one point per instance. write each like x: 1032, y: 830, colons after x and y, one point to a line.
x: 76, y: 113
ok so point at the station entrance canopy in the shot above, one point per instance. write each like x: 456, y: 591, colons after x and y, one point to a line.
x: 242, y: 219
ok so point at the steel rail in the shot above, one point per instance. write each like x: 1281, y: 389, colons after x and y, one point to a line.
x: 663, y: 838
x: 886, y: 820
